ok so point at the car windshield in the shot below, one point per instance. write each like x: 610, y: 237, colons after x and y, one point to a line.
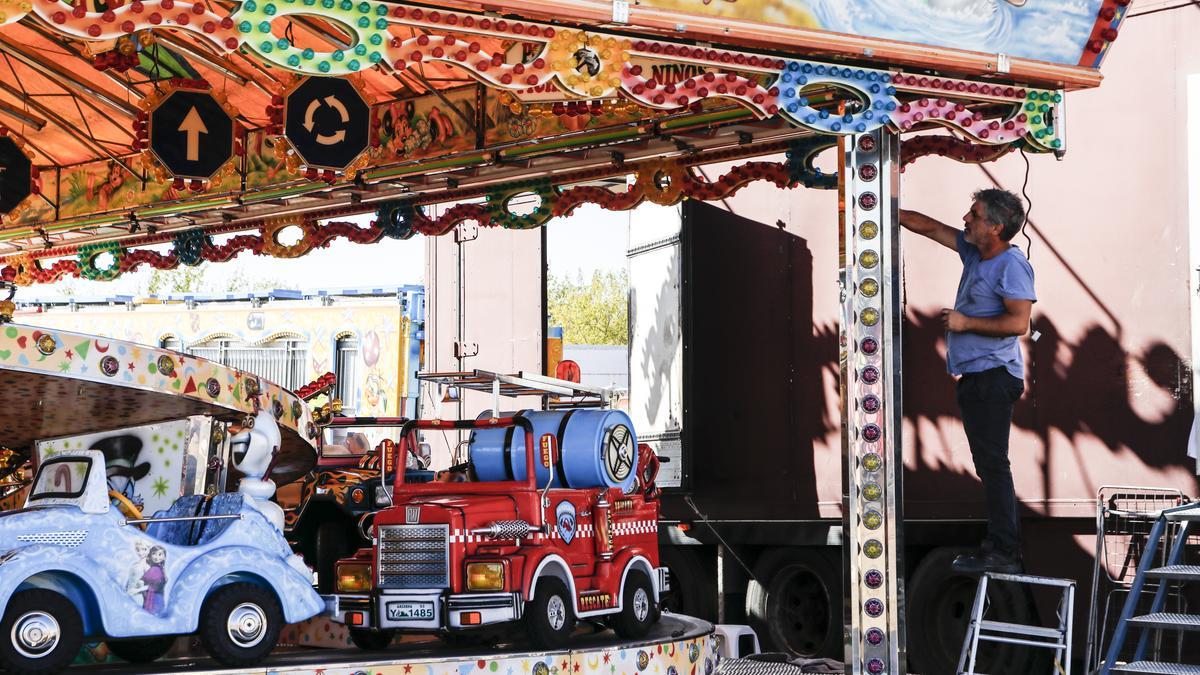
x: 356, y: 441
x: 61, y: 478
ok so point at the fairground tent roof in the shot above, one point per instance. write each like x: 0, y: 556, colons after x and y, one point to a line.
x: 105, y: 106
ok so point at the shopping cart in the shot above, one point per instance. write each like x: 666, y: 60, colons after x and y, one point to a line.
x: 1124, y: 516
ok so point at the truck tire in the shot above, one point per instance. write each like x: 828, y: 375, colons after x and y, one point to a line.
x: 692, y: 589
x: 795, y: 605
x: 240, y: 623
x: 549, y: 618
x: 939, y: 608
x: 372, y: 640
x: 142, y: 650
x: 331, y: 543
x: 42, y: 633
x: 639, y: 611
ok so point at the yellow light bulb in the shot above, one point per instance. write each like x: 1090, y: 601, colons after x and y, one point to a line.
x: 869, y: 259
x: 869, y: 287
x: 872, y: 492
x: 868, y: 230
x: 872, y: 519
x: 872, y: 548
x: 872, y: 462
x: 869, y: 316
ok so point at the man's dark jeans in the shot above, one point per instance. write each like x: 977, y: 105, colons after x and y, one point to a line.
x: 986, y: 399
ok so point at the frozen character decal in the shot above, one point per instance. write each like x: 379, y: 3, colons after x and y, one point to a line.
x: 134, y: 585
x: 121, y: 463
x: 255, y: 443
x: 154, y: 580
x: 147, y: 578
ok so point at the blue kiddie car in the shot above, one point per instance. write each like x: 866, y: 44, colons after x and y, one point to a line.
x: 73, y: 565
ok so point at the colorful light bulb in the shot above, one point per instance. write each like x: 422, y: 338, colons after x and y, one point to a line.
x: 869, y: 345
x: 874, y: 637
x: 868, y: 259
x: 874, y: 607
x: 868, y: 230
x: 872, y: 519
x: 873, y: 579
x: 872, y: 492
x: 872, y: 461
x: 872, y: 548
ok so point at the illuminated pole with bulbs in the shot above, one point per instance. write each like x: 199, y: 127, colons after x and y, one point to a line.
x: 871, y: 404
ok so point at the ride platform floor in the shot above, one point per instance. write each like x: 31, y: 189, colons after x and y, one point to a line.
x: 677, y: 645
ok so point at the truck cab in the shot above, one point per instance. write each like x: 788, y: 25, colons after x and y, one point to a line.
x: 527, y: 534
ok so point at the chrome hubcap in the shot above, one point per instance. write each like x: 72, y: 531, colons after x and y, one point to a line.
x: 247, y: 625
x: 556, y: 612
x: 641, y: 604
x: 35, y: 634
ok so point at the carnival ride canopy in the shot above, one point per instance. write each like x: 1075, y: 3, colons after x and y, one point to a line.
x: 463, y: 100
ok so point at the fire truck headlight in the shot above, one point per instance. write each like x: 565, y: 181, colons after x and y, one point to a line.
x: 382, y: 498
x: 353, y: 577
x: 485, y: 576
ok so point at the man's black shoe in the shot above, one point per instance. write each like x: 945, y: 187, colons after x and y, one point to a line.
x: 986, y: 561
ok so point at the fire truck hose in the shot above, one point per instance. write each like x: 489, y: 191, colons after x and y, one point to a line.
x: 505, y: 529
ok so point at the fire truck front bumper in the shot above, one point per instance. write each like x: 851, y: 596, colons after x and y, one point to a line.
x: 423, y: 610
x: 469, y: 610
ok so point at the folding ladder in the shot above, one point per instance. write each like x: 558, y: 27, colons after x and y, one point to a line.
x: 1057, y: 638
x: 1175, y: 525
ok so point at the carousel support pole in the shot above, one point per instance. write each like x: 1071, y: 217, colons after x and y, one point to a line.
x: 872, y: 520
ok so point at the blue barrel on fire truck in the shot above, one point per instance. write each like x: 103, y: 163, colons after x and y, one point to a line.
x: 598, y: 448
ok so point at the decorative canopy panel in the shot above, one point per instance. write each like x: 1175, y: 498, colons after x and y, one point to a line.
x: 130, y: 123
x: 111, y: 384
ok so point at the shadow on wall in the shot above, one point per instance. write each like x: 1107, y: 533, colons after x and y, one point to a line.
x: 760, y: 375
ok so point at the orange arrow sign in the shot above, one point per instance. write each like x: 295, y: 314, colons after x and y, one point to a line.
x: 193, y: 126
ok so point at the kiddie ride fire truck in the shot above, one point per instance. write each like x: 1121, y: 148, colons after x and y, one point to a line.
x: 531, y: 534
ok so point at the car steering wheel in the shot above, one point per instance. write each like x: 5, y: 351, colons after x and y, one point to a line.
x: 127, y: 507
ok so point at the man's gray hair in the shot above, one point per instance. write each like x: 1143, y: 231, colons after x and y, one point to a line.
x: 1002, y: 208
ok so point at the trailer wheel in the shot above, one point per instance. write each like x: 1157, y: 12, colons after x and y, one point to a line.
x: 142, y: 650
x: 372, y: 640
x: 41, y: 632
x: 939, y: 607
x: 549, y: 618
x: 240, y: 623
x: 795, y: 605
x: 639, y: 611
x: 330, y: 544
x: 693, y: 590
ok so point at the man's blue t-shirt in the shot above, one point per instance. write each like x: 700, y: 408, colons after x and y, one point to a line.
x: 984, y: 286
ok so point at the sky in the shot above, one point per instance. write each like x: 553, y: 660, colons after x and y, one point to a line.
x: 591, y: 239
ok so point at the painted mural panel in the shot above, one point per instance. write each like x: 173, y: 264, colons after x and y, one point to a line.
x: 426, y: 126
x: 1046, y: 30
x: 148, y: 464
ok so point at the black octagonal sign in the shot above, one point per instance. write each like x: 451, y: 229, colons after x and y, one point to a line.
x: 191, y: 134
x: 327, y: 122
x: 16, y: 175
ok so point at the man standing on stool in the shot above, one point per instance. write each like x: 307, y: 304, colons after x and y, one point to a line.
x: 991, y: 311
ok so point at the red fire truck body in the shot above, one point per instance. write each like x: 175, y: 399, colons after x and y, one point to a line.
x: 453, y: 556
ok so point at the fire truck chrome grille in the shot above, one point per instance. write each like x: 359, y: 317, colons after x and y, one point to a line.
x: 414, y: 556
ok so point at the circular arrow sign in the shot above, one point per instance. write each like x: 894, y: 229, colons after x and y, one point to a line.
x: 16, y: 175
x: 191, y: 134
x: 327, y: 122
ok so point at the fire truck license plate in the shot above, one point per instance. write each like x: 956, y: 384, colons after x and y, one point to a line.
x: 401, y: 611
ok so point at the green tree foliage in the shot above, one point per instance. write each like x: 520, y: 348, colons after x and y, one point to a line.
x: 591, y: 312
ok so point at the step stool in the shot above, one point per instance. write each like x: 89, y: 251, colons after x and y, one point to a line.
x: 980, y: 629
x: 730, y: 641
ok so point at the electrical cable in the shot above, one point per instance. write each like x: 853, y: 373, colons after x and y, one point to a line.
x: 1028, y: 208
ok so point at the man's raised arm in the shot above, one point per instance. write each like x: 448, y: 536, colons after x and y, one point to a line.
x: 915, y: 221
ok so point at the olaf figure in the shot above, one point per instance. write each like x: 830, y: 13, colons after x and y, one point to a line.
x: 254, y: 447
